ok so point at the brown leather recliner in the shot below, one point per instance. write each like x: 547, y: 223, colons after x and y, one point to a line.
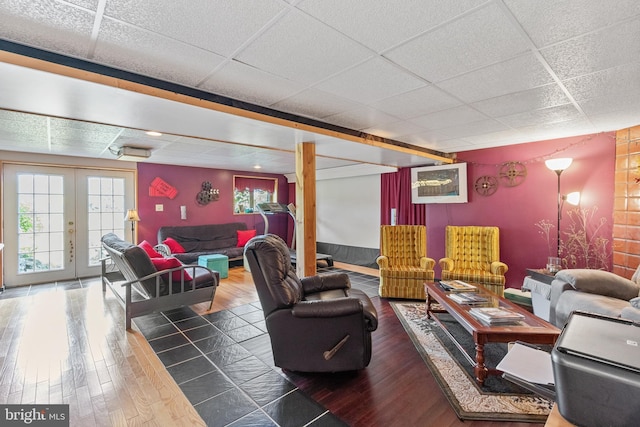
x: 317, y: 323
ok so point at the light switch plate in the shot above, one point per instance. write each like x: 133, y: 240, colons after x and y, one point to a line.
x: 159, y: 208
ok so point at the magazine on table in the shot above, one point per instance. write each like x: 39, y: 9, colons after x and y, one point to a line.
x: 495, y: 315
x: 468, y: 298
x: 457, y: 286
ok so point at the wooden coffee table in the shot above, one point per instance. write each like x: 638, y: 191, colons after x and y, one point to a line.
x: 531, y: 329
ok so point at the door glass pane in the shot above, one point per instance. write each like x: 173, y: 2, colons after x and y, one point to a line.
x: 56, y: 222
x: 56, y: 203
x: 56, y: 258
x: 25, y: 184
x: 55, y: 185
x: 105, y: 208
x: 57, y: 242
x: 41, y: 184
x: 40, y: 232
x: 41, y: 203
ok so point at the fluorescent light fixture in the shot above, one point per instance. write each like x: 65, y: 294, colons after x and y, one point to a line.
x: 153, y: 133
x: 133, y: 154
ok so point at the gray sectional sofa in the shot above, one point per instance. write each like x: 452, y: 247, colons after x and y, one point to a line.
x: 594, y: 291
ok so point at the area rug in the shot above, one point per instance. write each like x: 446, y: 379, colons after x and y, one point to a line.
x: 497, y: 400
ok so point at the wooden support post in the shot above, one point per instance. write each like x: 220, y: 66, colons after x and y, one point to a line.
x: 306, y: 209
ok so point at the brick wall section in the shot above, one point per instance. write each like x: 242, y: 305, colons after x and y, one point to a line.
x: 626, y: 209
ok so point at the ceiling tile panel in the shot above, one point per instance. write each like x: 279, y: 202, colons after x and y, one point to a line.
x: 496, y: 138
x: 451, y: 117
x: 87, y: 136
x: 468, y: 129
x: 618, y: 119
x: 551, y: 21
x: 240, y: 81
x: 87, y: 4
x: 316, y: 104
x: 324, y: 59
x: 301, y: 49
x: 361, y: 118
x: 23, y: 130
x: 514, y: 75
x: 559, y: 129
x: 604, y: 105
x: 597, y: 51
x: 426, y: 139
x: 395, y: 130
x: 532, y: 99
x: 449, y: 145
x: 546, y: 115
x: 481, y: 38
x: 417, y: 102
x: 375, y: 24
x: 217, y: 26
x: 371, y: 81
x: 613, y: 81
x: 144, y: 52
x: 47, y: 24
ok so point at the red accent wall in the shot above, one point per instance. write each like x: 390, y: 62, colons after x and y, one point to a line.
x: 188, y: 182
x: 517, y: 209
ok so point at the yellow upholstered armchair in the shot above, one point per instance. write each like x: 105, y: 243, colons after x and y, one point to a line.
x: 403, y: 262
x: 472, y: 254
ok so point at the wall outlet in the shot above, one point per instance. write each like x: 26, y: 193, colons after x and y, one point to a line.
x: 159, y: 208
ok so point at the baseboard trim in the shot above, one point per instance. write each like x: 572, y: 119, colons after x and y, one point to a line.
x: 365, y: 257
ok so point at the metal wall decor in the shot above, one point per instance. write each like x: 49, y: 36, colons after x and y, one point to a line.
x: 486, y: 185
x: 512, y: 173
x: 207, y: 194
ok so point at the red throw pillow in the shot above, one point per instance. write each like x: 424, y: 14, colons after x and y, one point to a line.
x: 149, y: 249
x: 167, y: 263
x: 174, y: 246
x: 244, y: 236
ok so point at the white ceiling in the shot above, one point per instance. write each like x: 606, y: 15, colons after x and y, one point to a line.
x: 447, y: 76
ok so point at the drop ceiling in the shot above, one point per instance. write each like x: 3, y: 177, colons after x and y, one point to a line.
x: 436, y: 76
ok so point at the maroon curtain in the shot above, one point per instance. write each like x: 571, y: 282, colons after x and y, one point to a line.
x: 396, y: 193
x: 252, y: 184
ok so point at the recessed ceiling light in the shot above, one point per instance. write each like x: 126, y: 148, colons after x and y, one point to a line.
x: 153, y: 133
x: 257, y: 167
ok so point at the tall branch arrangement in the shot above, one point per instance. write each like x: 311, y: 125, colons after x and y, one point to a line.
x: 581, y: 246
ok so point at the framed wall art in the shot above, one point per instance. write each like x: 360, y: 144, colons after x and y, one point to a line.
x: 439, y: 184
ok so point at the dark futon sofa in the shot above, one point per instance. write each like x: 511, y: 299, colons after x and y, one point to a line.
x: 203, y: 240
x: 142, y: 289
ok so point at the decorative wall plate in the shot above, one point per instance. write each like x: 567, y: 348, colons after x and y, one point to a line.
x: 512, y: 173
x: 486, y: 185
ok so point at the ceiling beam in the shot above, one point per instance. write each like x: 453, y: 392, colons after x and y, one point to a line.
x: 199, y: 99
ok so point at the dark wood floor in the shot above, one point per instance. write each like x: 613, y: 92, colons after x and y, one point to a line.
x: 396, y: 389
x: 70, y: 347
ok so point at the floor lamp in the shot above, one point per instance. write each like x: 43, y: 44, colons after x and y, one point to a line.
x: 132, y: 215
x: 558, y: 166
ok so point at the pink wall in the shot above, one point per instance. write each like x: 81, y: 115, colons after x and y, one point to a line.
x: 188, y: 182
x: 517, y: 209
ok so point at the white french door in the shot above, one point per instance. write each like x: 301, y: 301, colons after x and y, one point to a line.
x: 54, y: 218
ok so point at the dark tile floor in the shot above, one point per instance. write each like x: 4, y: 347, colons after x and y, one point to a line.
x: 223, y: 362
